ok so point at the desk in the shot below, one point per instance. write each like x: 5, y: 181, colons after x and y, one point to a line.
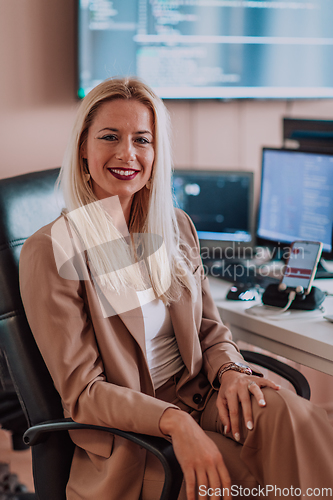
x: 308, y: 339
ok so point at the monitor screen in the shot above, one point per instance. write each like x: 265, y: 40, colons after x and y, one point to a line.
x: 209, y: 48
x: 296, y: 201
x: 220, y: 203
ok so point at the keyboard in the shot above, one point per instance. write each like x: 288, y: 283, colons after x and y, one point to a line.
x: 252, y: 276
x: 323, y: 274
x: 236, y: 272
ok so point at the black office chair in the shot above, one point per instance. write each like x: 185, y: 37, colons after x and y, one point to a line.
x: 28, y: 202
x: 11, y: 415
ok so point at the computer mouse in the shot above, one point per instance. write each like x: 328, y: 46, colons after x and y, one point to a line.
x: 241, y: 292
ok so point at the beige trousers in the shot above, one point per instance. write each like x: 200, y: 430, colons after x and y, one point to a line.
x: 288, y: 454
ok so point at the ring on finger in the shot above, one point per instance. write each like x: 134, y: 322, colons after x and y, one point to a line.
x: 250, y: 384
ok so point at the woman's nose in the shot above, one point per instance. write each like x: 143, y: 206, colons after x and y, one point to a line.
x: 126, y: 151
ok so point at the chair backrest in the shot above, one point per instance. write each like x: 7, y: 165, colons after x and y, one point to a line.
x: 27, y: 203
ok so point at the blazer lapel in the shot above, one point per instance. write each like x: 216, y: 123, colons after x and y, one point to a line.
x: 126, y: 305
x: 133, y: 320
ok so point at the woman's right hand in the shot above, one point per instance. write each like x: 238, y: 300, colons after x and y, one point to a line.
x: 201, y: 462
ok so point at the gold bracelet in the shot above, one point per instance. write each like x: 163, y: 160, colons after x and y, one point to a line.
x: 222, y: 370
x: 238, y: 367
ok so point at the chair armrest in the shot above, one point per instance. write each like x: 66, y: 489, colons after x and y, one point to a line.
x: 296, y: 378
x: 160, y: 447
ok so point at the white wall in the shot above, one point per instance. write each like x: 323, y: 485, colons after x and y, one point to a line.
x: 230, y: 135
x: 37, y: 83
x: 38, y: 104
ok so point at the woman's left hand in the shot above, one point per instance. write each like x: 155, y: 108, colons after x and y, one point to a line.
x: 236, y: 389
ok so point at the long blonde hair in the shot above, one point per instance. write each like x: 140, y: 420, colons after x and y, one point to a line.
x: 152, y: 209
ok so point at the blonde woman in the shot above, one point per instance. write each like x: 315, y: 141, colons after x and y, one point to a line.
x: 116, y: 298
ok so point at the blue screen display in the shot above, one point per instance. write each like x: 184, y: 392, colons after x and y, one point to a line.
x: 296, y: 197
x: 209, y: 48
x: 219, y: 203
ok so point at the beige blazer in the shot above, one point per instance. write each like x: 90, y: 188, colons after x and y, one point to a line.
x: 99, y: 366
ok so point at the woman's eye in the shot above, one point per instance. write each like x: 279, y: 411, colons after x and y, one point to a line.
x: 109, y: 137
x: 142, y: 140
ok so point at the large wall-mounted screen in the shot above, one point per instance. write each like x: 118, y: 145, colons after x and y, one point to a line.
x: 210, y: 48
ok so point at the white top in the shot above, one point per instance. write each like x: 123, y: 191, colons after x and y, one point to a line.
x: 164, y: 359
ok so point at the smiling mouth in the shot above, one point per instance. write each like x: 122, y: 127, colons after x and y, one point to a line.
x: 123, y: 173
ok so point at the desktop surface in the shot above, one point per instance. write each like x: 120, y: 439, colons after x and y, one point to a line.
x: 301, y: 336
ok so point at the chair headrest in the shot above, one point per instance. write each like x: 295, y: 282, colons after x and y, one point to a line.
x: 28, y: 202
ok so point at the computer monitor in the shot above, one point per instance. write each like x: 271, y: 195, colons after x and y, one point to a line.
x: 209, y: 49
x: 308, y: 135
x: 296, y: 201
x: 220, y: 203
